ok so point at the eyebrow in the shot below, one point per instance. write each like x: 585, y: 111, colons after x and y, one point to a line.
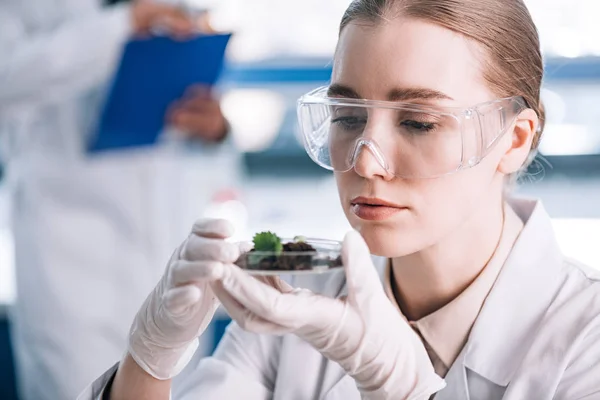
x: 396, y: 94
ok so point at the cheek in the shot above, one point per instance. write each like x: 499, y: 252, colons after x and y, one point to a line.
x: 343, y: 185
x: 446, y: 203
x: 346, y: 186
x: 441, y: 206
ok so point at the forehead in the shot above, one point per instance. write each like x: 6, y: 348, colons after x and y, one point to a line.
x: 408, y: 53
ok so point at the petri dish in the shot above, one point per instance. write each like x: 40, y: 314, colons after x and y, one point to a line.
x: 311, y: 256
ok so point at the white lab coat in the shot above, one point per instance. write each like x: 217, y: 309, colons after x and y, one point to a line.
x: 91, y: 233
x: 536, y: 338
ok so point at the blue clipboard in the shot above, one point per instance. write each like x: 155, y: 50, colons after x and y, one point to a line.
x: 153, y: 73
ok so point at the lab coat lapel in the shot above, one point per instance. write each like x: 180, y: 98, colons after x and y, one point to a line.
x: 456, y: 381
x: 519, y: 300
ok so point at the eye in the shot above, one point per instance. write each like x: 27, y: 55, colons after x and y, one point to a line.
x: 349, y: 123
x: 418, y: 126
x: 348, y: 118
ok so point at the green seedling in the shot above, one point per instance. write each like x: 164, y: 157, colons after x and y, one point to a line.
x: 265, y: 241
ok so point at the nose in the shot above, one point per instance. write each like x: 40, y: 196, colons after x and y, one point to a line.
x: 368, y: 161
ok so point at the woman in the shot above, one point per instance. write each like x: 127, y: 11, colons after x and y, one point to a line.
x: 475, y: 290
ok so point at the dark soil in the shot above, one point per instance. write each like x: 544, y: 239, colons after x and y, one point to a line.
x: 286, y: 262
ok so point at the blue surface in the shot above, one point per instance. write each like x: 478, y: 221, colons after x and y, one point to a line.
x: 218, y: 326
x: 8, y: 390
x: 556, y: 69
x: 572, y: 69
x: 266, y: 74
x: 154, y: 73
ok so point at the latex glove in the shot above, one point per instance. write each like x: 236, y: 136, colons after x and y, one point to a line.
x: 165, y: 331
x: 364, y: 333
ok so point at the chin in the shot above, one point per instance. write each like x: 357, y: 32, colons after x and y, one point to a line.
x: 387, y: 239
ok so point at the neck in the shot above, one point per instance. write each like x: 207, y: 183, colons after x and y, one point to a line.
x: 429, y: 279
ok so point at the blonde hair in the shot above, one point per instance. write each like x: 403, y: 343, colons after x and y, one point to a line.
x: 513, y: 65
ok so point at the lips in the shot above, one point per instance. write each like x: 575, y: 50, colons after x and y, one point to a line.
x: 375, y: 209
x: 374, y: 201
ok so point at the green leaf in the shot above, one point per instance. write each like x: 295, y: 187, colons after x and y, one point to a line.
x: 267, y: 241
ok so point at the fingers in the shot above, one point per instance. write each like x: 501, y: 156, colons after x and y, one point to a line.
x: 203, y: 23
x: 244, y: 318
x: 206, y: 107
x: 204, y: 249
x: 196, y: 97
x: 203, y: 123
x: 257, y: 297
x: 198, y: 121
x: 174, y: 21
x: 199, y: 92
x: 206, y: 242
x: 213, y: 228
x: 276, y: 283
x: 293, y: 309
x: 361, y: 276
x: 186, y: 272
x: 198, y: 114
x: 149, y: 15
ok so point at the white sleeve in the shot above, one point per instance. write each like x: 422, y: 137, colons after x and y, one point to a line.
x: 244, y: 365
x: 72, y: 57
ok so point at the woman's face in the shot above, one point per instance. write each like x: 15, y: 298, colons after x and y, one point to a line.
x: 402, y: 55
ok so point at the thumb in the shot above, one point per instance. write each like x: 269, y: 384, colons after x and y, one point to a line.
x: 361, y: 276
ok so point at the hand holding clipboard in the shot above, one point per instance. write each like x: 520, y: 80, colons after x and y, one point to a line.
x: 153, y: 73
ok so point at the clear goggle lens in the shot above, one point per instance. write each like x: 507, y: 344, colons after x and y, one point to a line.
x: 408, y: 140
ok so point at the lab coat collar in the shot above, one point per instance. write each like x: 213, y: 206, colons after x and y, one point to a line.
x: 519, y: 299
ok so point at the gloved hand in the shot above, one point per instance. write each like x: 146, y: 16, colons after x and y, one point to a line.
x: 364, y: 333
x: 164, y: 333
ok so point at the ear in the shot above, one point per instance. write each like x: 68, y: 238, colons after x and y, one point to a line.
x: 522, y: 137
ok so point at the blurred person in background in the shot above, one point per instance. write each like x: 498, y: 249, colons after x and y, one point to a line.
x: 90, y: 234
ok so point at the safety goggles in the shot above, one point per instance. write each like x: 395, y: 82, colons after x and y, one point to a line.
x: 408, y: 140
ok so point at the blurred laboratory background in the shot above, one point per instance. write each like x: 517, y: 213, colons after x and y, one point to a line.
x: 282, y: 49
